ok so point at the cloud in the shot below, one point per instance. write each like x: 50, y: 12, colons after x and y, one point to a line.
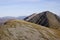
x: 19, y: 0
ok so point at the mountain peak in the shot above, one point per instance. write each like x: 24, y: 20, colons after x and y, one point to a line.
x: 46, y: 12
x: 46, y: 18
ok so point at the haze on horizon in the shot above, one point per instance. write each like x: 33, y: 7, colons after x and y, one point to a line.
x: 28, y: 7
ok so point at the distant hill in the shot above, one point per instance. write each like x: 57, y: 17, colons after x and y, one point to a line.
x: 3, y: 19
x: 21, y: 17
x: 46, y: 18
x: 22, y: 30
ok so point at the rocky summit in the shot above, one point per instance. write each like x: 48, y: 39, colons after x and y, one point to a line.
x: 47, y: 19
x: 22, y: 30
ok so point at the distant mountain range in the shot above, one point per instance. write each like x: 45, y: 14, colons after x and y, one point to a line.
x: 3, y: 19
x: 9, y: 17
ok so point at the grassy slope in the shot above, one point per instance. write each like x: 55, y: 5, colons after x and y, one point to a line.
x: 22, y: 30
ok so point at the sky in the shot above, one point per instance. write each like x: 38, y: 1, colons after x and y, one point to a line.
x: 27, y: 7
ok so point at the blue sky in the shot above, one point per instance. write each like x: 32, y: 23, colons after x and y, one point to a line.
x: 28, y: 7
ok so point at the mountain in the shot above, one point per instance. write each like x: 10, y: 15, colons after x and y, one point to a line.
x: 46, y: 18
x: 3, y: 19
x: 22, y: 30
x: 21, y: 17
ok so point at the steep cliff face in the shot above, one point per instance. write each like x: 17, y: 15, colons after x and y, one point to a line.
x: 46, y: 18
x: 21, y: 30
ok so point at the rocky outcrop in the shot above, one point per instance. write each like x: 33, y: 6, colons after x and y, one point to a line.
x: 46, y: 18
x: 21, y: 30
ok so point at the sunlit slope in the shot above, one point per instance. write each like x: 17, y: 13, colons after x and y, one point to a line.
x: 53, y: 21
x: 21, y: 30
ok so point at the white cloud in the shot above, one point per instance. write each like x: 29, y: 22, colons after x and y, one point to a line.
x: 19, y: 0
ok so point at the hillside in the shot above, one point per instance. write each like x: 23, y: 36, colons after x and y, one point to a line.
x: 22, y: 30
x: 46, y: 18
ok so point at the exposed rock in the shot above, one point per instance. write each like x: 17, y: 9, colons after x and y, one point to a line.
x: 46, y: 18
x: 21, y: 30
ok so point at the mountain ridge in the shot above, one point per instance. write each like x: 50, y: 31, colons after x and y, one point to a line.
x: 46, y: 18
